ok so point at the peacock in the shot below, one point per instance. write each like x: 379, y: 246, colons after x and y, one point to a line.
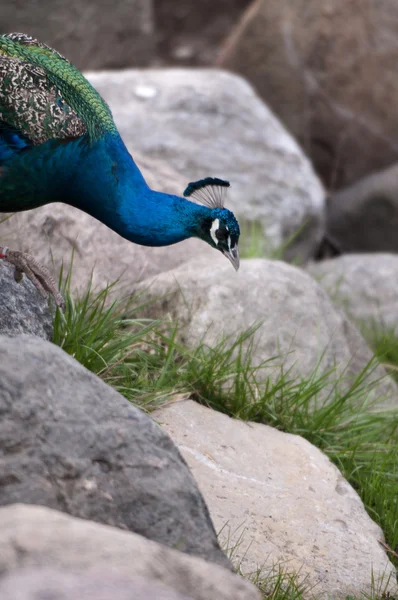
x: 59, y: 143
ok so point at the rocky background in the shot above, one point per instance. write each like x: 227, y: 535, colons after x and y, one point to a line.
x: 293, y: 101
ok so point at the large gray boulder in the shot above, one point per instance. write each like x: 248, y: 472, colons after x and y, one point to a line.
x: 92, y: 34
x: 279, y: 502
x: 70, y: 442
x: 211, y: 123
x: 56, y: 232
x: 22, y: 308
x: 298, y: 324
x: 35, y: 537
x: 364, y: 285
x: 328, y: 70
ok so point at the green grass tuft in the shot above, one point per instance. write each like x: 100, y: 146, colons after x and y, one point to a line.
x: 384, y: 341
x: 253, y: 243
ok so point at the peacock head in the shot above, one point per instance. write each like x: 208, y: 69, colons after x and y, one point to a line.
x: 219, y: 227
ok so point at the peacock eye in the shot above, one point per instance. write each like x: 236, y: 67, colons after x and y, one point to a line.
x: 221, y: 234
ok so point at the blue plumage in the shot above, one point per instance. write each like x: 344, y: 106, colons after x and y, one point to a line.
x: 58, y: 143
x: 11, y: 141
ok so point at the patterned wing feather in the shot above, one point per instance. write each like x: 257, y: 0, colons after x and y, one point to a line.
x: 45, y: 96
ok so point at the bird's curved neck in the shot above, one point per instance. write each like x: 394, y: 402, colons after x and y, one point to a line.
x: 110, y: 187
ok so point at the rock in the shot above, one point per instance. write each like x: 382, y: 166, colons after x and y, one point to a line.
x: 211, y: 123
x: 52, y: 233
x: 317, y: 66
x: 364, y: 285
x: 364, y: 216
x: 92, y: 35
x: 299, y: 326
x: 190, y: 32
x: 56, y: 584
x: 281, y: 502
x: 33, y: 536
x: 72, y: 443
x: 23, y: 309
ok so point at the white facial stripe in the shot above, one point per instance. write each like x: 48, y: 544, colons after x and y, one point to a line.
x: 214, y: 226
x: 229, y: 242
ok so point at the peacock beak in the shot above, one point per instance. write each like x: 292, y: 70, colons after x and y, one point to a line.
x: 233, y: 255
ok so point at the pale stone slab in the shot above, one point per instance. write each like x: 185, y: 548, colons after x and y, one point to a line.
x: 57, y: 584
x: 281, y: 500
x: 34, y: 536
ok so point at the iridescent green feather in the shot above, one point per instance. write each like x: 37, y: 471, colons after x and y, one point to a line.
x: 68, y: 91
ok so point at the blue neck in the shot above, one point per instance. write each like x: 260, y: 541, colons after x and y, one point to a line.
x: 108, y: 185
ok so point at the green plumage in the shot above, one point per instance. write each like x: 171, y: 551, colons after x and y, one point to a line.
x: 57, y: 102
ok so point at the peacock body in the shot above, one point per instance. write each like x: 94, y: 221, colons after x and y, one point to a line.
x: 59, y: 143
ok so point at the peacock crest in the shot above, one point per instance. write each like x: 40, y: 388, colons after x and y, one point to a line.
x: 210, y: 192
